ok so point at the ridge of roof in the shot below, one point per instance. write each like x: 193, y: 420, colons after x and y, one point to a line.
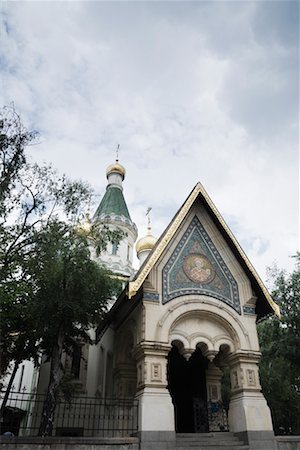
x: 113, y: 202
x: 136, y: 283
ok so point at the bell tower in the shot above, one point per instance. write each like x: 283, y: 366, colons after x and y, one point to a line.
x: 113, y: 212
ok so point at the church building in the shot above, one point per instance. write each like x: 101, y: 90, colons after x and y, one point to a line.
x: 183, y: 322
x: 185, y: 317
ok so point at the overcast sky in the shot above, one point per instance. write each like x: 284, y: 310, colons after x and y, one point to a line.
x: 192, y: 91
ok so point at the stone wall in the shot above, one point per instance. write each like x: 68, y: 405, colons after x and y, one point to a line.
x: 288, y: 442
x: 38, y: 443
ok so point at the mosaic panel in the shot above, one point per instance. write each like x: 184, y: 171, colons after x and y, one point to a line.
x: 196, y: 267
x: 151, y: 297
x: 249, y: 309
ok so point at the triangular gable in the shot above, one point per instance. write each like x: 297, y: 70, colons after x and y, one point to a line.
x: 265, y: 303
x: 196, y: 267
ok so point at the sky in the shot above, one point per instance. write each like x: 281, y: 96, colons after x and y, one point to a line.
x: 191, y: 90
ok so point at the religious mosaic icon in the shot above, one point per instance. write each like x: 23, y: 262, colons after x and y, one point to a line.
x: 198, y: 268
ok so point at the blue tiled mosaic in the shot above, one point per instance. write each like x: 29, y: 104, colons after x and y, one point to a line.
x: 177, y: 281
x: 249, y: 309
x: 151, y: 297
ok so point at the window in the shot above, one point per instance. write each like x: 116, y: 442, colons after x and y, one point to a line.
x: 21, y: 378
x: 114, y: 249
x: 76, y: 360
x: 128, y: 252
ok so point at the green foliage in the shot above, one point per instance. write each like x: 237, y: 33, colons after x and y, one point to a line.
x: 33, y: 201
x: 69, y: 286
x: 280, y: 347
x: 13, y: 138
x: 51, y: 292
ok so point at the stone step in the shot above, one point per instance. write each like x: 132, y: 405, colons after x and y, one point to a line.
x: 213, y: 447
x: 217, y: 435
x: 209, y: 441
x: 212, y: 442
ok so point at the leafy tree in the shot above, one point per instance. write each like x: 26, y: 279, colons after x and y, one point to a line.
x: 13, y: 139
x: 72, y: 290
x: 31, y: 197
x: 280, y: 347
x: 35, y: 205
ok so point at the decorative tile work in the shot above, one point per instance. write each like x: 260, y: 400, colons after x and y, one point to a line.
x: 249, y: 309
x: 151, y: 297
x: 196, y: 267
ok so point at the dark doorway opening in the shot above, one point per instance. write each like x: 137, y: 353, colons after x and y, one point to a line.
x: 187, y: 386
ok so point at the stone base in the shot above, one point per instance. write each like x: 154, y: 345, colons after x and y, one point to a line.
x: 288, y: 442
x: 248, y: 411
x: 157, y: 440
x: 258, y: 439
x: 156, y: 411
x: 156, y: 420
x: 67, y: 443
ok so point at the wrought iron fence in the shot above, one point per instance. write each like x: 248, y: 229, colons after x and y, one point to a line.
x: 80, y: 416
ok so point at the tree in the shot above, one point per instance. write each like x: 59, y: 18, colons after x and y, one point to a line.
x: 13, y: 139
x: 280, y: 347
x: 35, y: 203
x: 71, y: 289
x: 31, y: 197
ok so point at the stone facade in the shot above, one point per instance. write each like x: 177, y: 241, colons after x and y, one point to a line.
x: 197, y: 297
x: 187, y: 315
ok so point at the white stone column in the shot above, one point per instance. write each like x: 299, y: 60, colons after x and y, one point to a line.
x: 156, y: 410
x: 249, y: 414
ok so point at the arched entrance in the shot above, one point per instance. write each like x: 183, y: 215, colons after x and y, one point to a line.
x: 187, y: 387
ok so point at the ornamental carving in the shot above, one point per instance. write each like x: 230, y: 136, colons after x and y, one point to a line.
x: 196, y: 267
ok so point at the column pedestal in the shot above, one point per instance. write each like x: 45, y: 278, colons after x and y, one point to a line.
x: 156, y: 410
x: 249, y: 415
x: 156, y: 419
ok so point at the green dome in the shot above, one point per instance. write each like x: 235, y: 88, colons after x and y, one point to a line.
x: 112, y: 203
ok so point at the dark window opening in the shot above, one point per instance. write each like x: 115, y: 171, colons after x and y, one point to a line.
x: 128, y: 252
x: 21, y: 377
x: 114, y: 249
x: 76, y: 360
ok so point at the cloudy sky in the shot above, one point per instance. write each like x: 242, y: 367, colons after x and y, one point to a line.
x: 192, y: 91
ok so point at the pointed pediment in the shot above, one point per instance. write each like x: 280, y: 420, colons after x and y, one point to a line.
x: 196, y: 267
x: 265, y: 304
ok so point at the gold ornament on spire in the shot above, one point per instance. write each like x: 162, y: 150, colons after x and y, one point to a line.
x: 116, y: 167
x: 147, y: 242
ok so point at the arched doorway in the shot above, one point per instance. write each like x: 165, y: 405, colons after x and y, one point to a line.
x: 187, y: 387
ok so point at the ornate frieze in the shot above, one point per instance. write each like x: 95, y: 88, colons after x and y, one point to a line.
x: 151, y: 297
x: 196, y: 267
x: 249, y: 310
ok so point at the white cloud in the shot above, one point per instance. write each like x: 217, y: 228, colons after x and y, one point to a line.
x: 193, y: 91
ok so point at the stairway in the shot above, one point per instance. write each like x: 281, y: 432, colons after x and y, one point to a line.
x: 209, y: 441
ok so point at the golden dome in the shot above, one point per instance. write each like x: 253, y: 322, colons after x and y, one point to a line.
x: 116, y: 168
x: 84, y: 227
x: 146, y: 243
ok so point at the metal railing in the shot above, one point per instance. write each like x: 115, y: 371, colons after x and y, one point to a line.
x: 79, y: 416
